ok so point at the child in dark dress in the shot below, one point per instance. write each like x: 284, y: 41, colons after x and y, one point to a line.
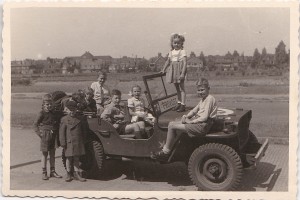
x: 46, y: 127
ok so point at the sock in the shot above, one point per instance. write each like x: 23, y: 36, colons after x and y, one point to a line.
x: 179, y: 102
x: 52, y: 169
x: 44, y: 170
x: 166, y: 150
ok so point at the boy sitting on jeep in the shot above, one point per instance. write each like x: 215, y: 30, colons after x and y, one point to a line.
x: 113, y: 114
x: 196, y: 123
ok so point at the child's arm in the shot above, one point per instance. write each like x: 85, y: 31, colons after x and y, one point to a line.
x: 205, y: 115
x: 62, y: 134
x: 131, y: 111
x: 183, y: 72
x: 167, y: 63
x: 106, y: 115
x: 37, y: 122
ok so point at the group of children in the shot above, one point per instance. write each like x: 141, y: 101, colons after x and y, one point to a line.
x: 69, y: 131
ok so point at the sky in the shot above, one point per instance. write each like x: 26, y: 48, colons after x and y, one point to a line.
x: 38, y: 33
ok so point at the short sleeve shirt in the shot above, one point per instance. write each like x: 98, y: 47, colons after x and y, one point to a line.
x: 110, y: 111
x: 206, y: 108
x: 177, y: 55
x: 137, y: 104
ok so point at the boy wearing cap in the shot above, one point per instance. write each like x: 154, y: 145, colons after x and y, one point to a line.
x: 72, y: 132
x: 196, y: 123
x: 46, y: 127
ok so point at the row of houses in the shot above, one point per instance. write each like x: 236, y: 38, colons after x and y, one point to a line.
x: 88, y: 63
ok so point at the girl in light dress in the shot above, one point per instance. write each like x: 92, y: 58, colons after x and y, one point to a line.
x: 136, y: 105
x: 176, y: 67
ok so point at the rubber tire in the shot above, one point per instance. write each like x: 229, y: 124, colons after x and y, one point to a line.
x: 95, y: 156
x: 215, y: 153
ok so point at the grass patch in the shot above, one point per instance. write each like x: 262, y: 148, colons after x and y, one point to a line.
x: 22, y: 120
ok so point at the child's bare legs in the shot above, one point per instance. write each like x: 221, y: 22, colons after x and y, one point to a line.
x: 77, y: 169
x: 52, y: 164
x: 52, y: 158
x: 141, y: 124
x: 134, y: 128
x: 76, y: 163
x: 181, y: 95
x: 44, y: 165
x: 69, y: 168
x: 182, y: 92
x: 178, y: 92
x: 172, y: 135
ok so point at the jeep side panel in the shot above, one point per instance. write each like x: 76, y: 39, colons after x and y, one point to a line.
x: 114, y: 144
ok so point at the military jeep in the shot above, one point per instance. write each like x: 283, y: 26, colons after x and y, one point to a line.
x: 214, y: 162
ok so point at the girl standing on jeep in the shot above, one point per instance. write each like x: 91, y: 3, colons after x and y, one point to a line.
x: 176, y: 72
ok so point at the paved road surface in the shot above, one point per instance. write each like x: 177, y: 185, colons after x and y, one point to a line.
x: 271, y: 174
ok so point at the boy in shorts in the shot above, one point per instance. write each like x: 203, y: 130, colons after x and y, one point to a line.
x: 196, y: 123
x: 113, y: 114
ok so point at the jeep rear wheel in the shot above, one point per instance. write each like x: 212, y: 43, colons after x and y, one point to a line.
x: 93, y: 161
x: 215, y: 167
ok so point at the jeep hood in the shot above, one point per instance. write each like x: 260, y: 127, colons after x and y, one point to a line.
x: 229, y: 115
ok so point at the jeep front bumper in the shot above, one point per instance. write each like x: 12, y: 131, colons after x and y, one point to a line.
x: 253, y: 159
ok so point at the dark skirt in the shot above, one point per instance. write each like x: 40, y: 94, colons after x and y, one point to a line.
x: 200, y: 129
x: 49, y: 139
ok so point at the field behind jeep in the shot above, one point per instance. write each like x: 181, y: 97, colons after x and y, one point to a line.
x: 267, y: 97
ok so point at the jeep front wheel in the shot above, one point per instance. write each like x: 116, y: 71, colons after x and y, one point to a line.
x: 215, y: 167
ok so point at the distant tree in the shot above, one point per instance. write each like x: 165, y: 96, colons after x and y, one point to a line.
x: 192, y: 54
x: 228, y: 55
x: 255, y: 59
x: 202, y: 57
x: 280, y: 54
x: 143, y: 65
x: 235, y: 54
x: 264, y: 52
x: 288, y: 57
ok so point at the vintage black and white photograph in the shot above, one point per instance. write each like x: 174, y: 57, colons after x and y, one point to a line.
x: 169, y: 100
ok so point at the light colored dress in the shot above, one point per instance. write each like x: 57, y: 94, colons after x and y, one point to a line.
x: 138, y: 106
x: 176, y: 65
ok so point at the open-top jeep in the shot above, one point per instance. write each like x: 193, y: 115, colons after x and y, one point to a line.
x: 215, y: 161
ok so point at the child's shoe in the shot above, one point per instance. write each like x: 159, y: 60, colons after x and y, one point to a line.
x: 176, y: 107
x: 44, y: 175
x: 54, y: 174
x: 78, y: 177
x: 68, y: 177
x: 181, y: 108
x: 161, y: 156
